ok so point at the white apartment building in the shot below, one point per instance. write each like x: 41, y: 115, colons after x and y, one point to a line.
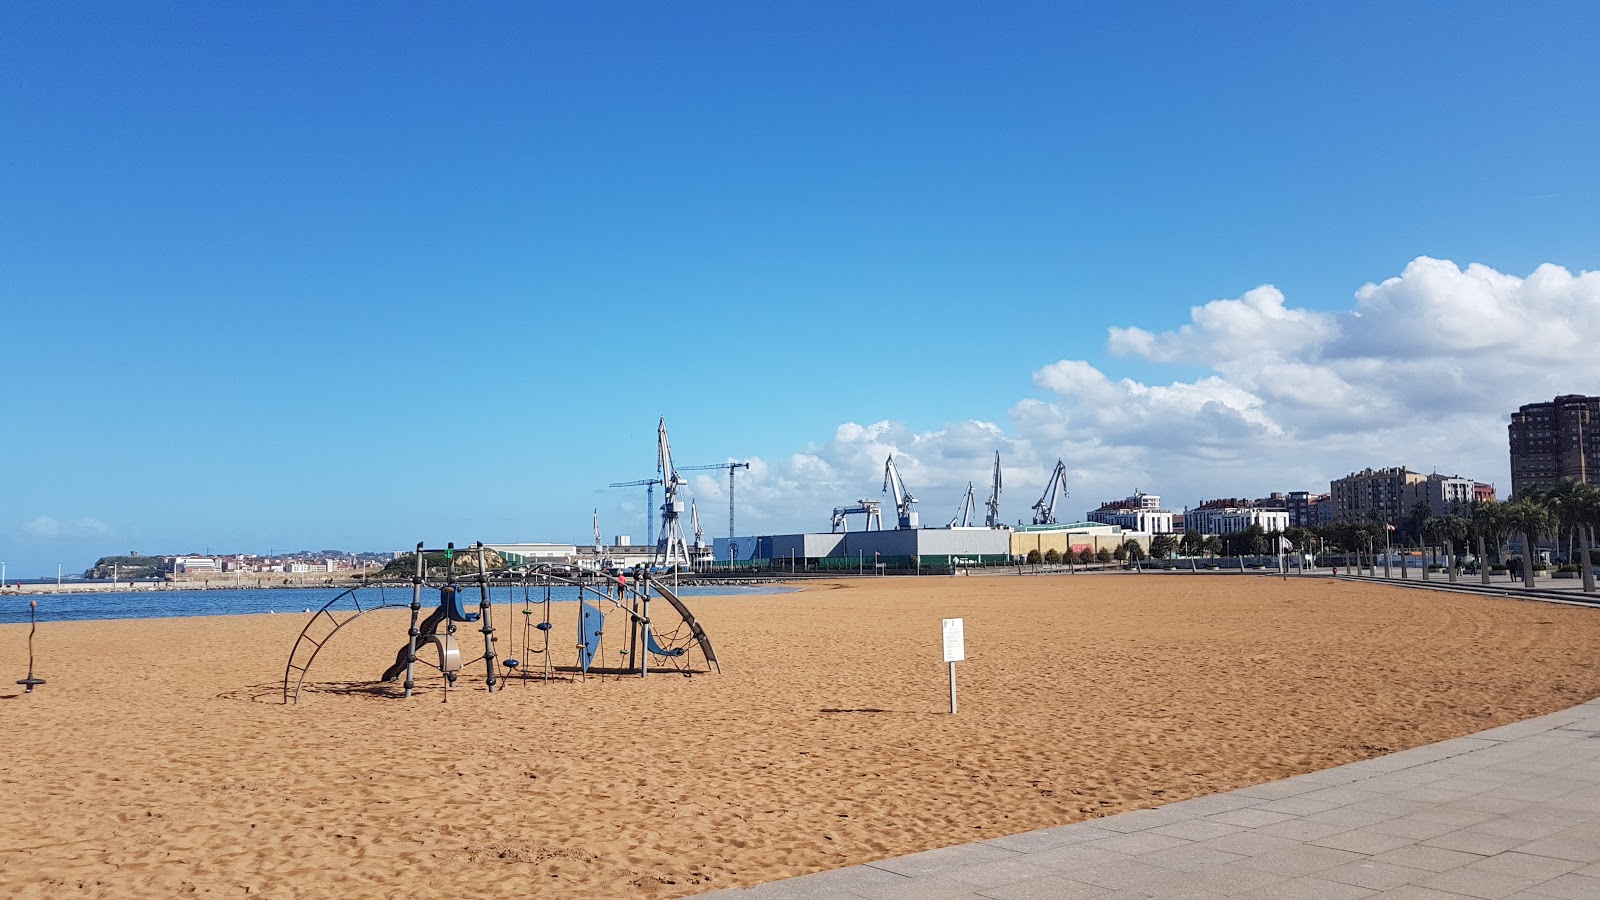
x: 1140, y: 512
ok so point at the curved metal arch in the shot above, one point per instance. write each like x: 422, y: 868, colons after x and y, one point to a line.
x: 661, y: 590
x: 338, y: 623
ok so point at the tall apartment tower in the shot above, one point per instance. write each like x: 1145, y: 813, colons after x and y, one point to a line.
x: 1373, y: 495
x: 1555, y: 441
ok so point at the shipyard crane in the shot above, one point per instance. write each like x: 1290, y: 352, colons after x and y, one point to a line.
x: 694, y: 525
x: 671, y: 550
x: 963, y: 517
x: 993, y: 519
x: 732, y: 467
x: 1044, y: 512
x: 597, y: 544
x: 649, y: 505
x: 905, y: 505
x: 872, y: 509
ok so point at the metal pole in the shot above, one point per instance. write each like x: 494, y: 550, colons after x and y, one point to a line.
x: 952, y: 689
x: 416, y: 607
x: 485, y: 614
x: 1386, y: 549
x: 643, y: 591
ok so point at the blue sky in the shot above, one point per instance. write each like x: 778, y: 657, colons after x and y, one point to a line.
x: 280, y: 276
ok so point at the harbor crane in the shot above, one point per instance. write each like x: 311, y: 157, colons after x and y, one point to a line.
x: 964, y: 512
x: 993, y: 519
x: 649, y: 505
x: 1044, y: 512
x: 905, y: 505
x: 872, y: 509
x: 732, y: 467
x: 597, y: 544
x: 672, y: 549
x: 694, y: 525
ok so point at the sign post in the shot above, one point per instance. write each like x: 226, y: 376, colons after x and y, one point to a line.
x: 955, y: 650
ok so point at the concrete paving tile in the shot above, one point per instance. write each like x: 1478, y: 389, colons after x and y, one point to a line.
x: 1189, y: 858
x: 849, y: 877
x: 1471, y: 842
x: 1197, y: 830
x: 1528, y: 831
x: 1414, y: 892
x: 1120, y: 875
x: 1343, y: 795
x: 1067, y: 859
x: 1376, y: 875
x: 1352, y: 816
x: 999, y: 872
x: 1429, y: 794
x: 1054, y: 887
x: 1362, y: 840
x: 933, y: 862
x: 1138, y: 842
x: 793, y: 889
x: 1205, y: 806
x: 1297, y: 861
x: 1249, y: 818
x: 1140, y: 819
x: 1478, y: 883
x: 1311, y: 889
x: 1569, y: 887
x: 1298, y: 806
x: 1434, y: 859
x: 1416, y: 829
x: 927, y: 887
x: 1248, y: 843
x: 1561, y: 847
x: 1525, y: 865
x: 1049, y: 838
x: 1455, y: 814
x: 1301, y: 830
x: 1218, y: 881
x: 1277, y: 790
x: 1394, y: 806
x: 1490, y: 803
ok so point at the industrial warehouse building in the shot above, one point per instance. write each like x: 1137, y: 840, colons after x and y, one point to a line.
x: 906, y: 548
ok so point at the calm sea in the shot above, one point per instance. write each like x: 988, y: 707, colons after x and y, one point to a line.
x: 162, y: 604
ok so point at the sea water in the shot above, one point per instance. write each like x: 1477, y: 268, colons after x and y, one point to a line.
x: 158, y: 604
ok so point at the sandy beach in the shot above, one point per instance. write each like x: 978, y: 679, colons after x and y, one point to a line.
x: 160, y: 761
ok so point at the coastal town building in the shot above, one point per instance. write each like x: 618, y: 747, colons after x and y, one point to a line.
x: 1444, y: 495
x: 1233, y: 515
x: 1140, y: 512
x: 1373, y: 495
x: 1554, y: 442
x: 1308, y: 510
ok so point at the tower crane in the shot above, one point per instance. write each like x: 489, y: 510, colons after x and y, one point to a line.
x: 963, y: 517
x: 649, y: 505
x: 905, y: 505
x: 732, y: 467
x: 993, y: 519
x: 1044, y: 512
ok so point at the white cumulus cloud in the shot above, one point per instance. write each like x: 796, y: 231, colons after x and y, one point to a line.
x: 1421, y: 369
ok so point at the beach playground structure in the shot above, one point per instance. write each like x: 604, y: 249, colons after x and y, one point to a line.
x: 435, y: 641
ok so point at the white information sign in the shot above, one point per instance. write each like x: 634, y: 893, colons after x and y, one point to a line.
x: 955, y: 641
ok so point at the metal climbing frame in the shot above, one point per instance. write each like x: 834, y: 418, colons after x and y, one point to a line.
x: 334, y: 615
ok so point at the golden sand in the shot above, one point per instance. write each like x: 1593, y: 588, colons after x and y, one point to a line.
x: 159, y: 760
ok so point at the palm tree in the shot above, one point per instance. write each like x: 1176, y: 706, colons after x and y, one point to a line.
x: 1452, y: 530
x: 1488, y: 523
x: 1585, y: 505
x: 1530, y: 518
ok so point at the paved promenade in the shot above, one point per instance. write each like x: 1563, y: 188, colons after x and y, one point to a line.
x: 1513, y: 812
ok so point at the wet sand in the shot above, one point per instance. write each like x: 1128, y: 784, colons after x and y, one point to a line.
x: 160, y: 761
